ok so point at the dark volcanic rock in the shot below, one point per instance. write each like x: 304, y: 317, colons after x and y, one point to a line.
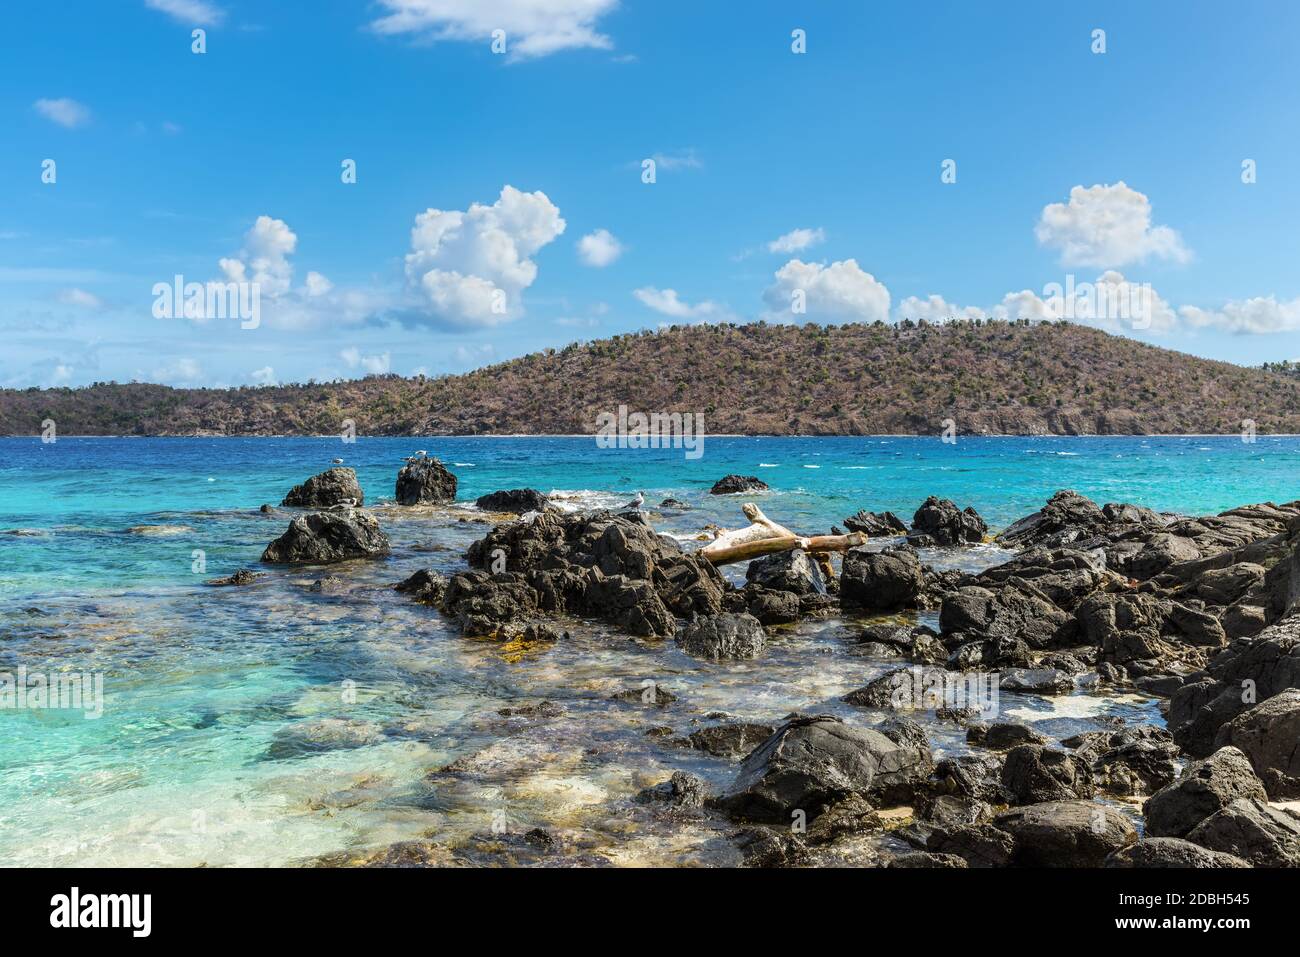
x: 1066, y: 833
x: 1251, y: 829
x: 1033, y: 774
x: 939, y: 522
x: 1247, y: 671
x: 881, y: 580
x: 731, y: 740
x: 426, y: 585
x: 1129, y: 761
x: 1003, y: 735
x: 772, y: 607
x: 518, y: 500
x: 1014, y: 615
x: 879, y: 524
x: 814, y: 762
x: 904, y: 689
x: 484, y: 603
x: 724, y: 636
x: 979, y: 845
x: 1206, y: 787
x: 324, y: 537
x: 731, y: 484
x: 1044, y: 681
x: 425, y: 482
x: 791, y: 571
x: 682, y: 790
x: 332, y: 487
x: 1171, y: 852
x: 241, y: 577
x: 1269, y: 736
x: 926, y: 859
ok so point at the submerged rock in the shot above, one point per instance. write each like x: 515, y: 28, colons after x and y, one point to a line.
x: 425, y: 482
x: 338, y: 486
x: 732, y: 484
x: 723, y: 636
x: 324, y: 537
x: 682, y: 790
x: 811, y: 763
x: 241, y: 577
x: 426, y: 585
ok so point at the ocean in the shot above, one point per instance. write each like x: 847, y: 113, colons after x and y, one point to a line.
x: 273, y: 724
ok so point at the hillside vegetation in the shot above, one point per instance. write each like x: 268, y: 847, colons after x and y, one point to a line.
x: 989, y: 377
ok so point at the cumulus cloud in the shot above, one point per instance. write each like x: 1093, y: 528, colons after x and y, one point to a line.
x: 470, y: 268
x: 599, y: 249
x: 81, y: 298
x: 377, y: 364
x: 179, y: 372
x: 667, y: 302
x: 796, y: 240
x: 64, y: 111
x: 317, y: 285
x: 533, y: 28
x: 1260, y: 314
x: 1107, y: 226
x: 840, y: 292
x: 190, y: 12
x: 265, y: 257
x: 1111, y: 302
x: 263, y: 376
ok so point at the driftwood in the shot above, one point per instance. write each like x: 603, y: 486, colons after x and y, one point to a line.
x: 765, y: 537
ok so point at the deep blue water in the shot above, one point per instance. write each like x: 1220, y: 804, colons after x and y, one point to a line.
x: 270, y: 724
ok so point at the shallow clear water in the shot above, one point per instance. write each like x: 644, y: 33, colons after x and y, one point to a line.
x: 271, y: 724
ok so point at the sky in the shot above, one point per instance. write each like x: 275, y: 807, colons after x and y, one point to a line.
x: 430, y: 186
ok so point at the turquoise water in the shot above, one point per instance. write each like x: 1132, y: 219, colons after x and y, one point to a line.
x: 273, y: 724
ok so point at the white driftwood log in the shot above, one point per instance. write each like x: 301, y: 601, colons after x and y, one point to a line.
x: 765, y: 537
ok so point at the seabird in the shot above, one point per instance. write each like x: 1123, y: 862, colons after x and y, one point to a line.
x: 636, y: 502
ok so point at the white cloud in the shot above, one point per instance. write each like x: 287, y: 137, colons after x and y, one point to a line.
x: 189, y: 12
x: 838, y: 292
x: 796, y: 240
x: 79, y: 297
x: 179, y: 372
x: 317, y: 285
x: 373, y: 364
x: 263, y: 376
x: 1260, y: 314
x: 61, y: 375
x: 1110, y: 302
x: 470, y: 268
x: 64, y: 111
x: 667, y: 302
x: 599, y: 248
x: 533, y: 28
x: 1107, y: 226
x: 267, y: 247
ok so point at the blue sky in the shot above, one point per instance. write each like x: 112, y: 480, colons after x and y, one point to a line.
x: 778, y: 175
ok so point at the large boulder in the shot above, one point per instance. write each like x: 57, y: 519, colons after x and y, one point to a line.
x: 484, y: 603
x: 1067, y: 517
x: 1249, y: 828
x: 1065, y: 576
x: 723, y: 636
x: 1171, y: 852
x: 425, y: 482
x: 731, y: 740
x: 324, y: 537
x: 811, y: 763
x: 939, y: 522
x: 1066, y: 833
x: 979, y: 845
x: 1034, y: 774
x: 881, y: 581
x: 732, y: 484
x: 1246, y: 672
x: 1016, y: 614
x: 517, y: 500
x: 791, y: 571
x: 1206, y: 787
x: 332, y: 487
x: 1269, y: 736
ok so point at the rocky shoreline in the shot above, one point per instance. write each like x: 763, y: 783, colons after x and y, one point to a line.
x: 1202, y: 614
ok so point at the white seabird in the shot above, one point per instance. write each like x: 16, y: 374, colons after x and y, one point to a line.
x: 636, y: 502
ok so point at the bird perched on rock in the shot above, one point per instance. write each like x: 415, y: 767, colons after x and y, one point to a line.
x: 636, y: 502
